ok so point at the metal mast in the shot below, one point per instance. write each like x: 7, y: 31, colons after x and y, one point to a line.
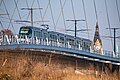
x: 75, y: 25
x: 114, y: 29
x: 31, y: 11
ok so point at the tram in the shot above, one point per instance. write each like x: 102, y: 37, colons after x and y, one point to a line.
x: 42, y: 36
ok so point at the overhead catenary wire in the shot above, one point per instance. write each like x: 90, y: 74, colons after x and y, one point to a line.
x: 13, y: 22
x: 63, y: 15
x: 86, y: 18
x: 108, y: 22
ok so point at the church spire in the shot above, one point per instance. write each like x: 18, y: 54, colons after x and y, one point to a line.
x: 97, y: 43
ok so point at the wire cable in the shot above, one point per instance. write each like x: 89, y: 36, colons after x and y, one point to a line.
x: 86, y: 18
x: 45, y: 10
x: 108, y: 23
x: 60, y: 13
x: 8, y: 16
x: 32, y: 3
x: 73, y: 10
x: 52, y: 15
x: 95, y: 10
x: 16, y: 4
x: 1, y: 2
x: 40, y: 10
x: 63, y: 15
x: 27, y: 7
x: 118, y: 10
x: 27, y: 3
x: 12, y: 15
x: 1, y: 25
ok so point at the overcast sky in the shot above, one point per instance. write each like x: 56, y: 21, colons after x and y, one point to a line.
x: 57, y: 20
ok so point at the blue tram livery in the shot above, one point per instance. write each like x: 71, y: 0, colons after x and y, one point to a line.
x: 45, y: 37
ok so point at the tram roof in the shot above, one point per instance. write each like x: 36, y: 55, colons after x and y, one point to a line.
x: 69, y: 36
x: 33, y: 27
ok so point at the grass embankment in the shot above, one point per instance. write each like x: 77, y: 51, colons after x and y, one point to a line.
x: 23, y: 67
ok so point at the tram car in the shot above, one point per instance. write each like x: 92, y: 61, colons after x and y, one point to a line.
x: 30, y: 34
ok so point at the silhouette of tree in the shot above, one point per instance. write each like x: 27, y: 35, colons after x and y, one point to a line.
x: 6, y: 32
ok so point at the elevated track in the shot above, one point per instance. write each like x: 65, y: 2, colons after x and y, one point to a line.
x: 63, y: 51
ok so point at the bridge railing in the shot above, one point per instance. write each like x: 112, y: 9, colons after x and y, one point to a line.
x: 5, y: 40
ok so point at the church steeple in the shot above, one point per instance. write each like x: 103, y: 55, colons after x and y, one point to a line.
x: 97, y: 43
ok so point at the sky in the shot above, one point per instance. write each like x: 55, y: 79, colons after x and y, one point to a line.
x: 56, y: 12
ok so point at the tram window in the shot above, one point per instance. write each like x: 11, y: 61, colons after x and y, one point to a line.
x: 37, y: 33
x: 62, y: 39
x: 53, y: 38
x: 25, y: 31
x: 45, y: 35
x: 40, y: 34
x: 34, y: 34
x: 83, y: 44
x: 71, y: 42
x: 79, y: 42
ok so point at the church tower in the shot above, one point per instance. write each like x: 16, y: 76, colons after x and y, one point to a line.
x: 97, y: 43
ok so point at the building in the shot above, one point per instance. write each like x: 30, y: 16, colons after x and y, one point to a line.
x: 97, y: 43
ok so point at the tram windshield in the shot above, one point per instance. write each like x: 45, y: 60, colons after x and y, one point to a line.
x: 25, y: 31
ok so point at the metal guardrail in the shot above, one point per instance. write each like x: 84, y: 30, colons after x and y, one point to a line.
x: 5, y: 40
